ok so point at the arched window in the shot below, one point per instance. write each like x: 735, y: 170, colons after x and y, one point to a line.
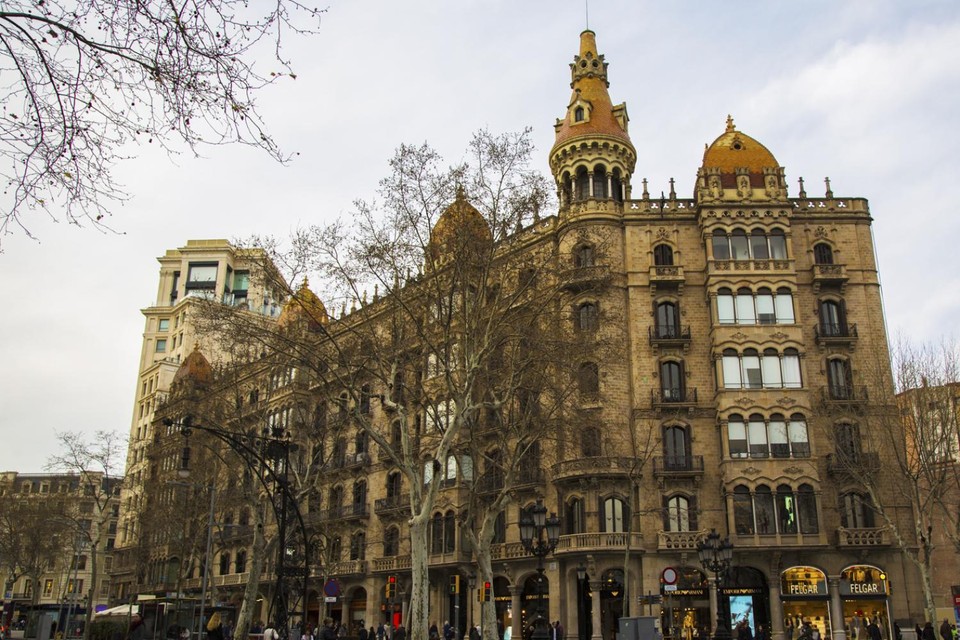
x: 676, y: 451
x: 358, y: 546
x: 807, y: 509
x: 799, y: 442
x: 783, y: 302
x: 766, y: 313
x: 588, y: 379
x: 617, y: 185
x: 391, y: 542
x: 856, y: 511
x: 739, y: 245
x: 758, y: 245
x: 787, y: 517
x: 822, y: 253
x: 667, y: 320
x: 721, y: 247
x: 757, y: 437
x: 396, y: 433
x: 336, y: 501
x: 394, y: 481
x: 244, y: 517
x: 847, y: 438
x: 746, y: 311
x: 436, y: 533
x: 450, y: 473
x: 839, y: 379
x: 671, y: 381
x: 500, y: 529
x: 575, y: 520
x: 240, y: 564
x: 726, y: 313
x: 578, y: 114
x: 583, y: 256
x: 449, y: 532
x: 680, y: 513
x: 779, y: 439
x: 359, y: 497
x: 339, y: 457
x: 360, y: 444
x: 614, y: 515
x: 365, y: 399
x: 764, y: 510
x: 833, y: 321
x: 590, y: 442
x: 663, y: 255
x: 224, y: 563
x: 600, y: 182
x: 583, y: 184
x: 778, y: 244
x: 336, y: 549
x: 742, y: 510
x: 587, y: 319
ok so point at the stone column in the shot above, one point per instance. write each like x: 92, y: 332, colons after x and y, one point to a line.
x: 714, y: 604
x: 776, y: 612
x: 837, y: 622
x: 590, y: 181
x: 516, y: 607
x: 595, y: 586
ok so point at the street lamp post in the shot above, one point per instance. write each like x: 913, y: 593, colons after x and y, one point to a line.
x: 581, y: 613
x: 716, y: 556
x: 539, y: 536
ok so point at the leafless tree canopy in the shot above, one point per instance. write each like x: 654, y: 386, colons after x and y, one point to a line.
x: 82, y: 79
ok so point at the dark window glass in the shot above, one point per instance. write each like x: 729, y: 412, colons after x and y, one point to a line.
x: 587, y: 317
x: 663, y: 255
x: 675, y: 448
x: 742, y: 510
x: 590, y: 442
x: 721, y: 247
x: 671, y: 381
x: 822, y: 253
x: 668, y: 320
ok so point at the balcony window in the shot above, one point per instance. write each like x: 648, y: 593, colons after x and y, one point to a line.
x: 224, y: 563
x: 676, y: 449
x: 436, y: 533
x: 663, y: 255
x: 240, y: 564
x: 358, y: 546
x: 751, y: 371
x: 336, y: 549
x: 590, y: 442
x: 583, y: 256
x: 587, y: 317
x: 856, y: 511
x: 833, y: 321
x: 680, y: 513
x: 600, y: 182
x: 667, y: 320
x: 613, y: 514
x: 839, y: 379
x: 500, y: 529
x: 742, y: 510
x: 583, y: 184
x: 847, y: 437
x: 671, y: 381
x: 822, y: 253
x: 449, y: 532
x: 575, y: 521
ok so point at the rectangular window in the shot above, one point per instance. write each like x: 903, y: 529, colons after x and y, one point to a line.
x: 798, y: 439
x: 758, y: 246
x: 737, y: 437
x: 163, y: 324
x: 779, y: 445
x: 784, y: 306
x: 757, y: 432
x: 725, y: 312
x: 48, y: 587
x: 771, y: 371
x: 241, y: 281
x: 731, y: 372
x: 202, y: 275
x: 162, y: 345
x: 752, y: 376
x: 791, y: 372
x: 745, y: 311
x: 765, y: 309
x: 740, y: 247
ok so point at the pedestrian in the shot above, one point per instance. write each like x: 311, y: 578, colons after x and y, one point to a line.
x: 761, y: 633
x: 400, y: 633
x: 873, y: 631
x: 434, y: 632
x: 928, y: 632
x: 447, y: 630
x: 270, y: 633
x: 380, y: 632
x: 946, y: 631
x: 136, y: 630
x: 474, y: 632
x: 918, y: 631
x: 371, y: 634
x: 215, y: 627
x: 897, y: 633
x: 806, y: 631
x: 362, y: 633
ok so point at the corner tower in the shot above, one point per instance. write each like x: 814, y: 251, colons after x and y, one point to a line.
x: 592, y: 159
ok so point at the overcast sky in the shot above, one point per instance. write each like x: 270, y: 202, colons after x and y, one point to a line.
x: 865, y: 92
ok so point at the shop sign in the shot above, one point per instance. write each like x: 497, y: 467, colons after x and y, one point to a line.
x: 803, y: 582
x: 742, y: 591
x: 956, y: 600
x: 863, y: 582
x: 680, y: 592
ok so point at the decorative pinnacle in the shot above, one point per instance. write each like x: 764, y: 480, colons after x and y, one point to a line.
x: 730, y: 126
x: 829, y: 190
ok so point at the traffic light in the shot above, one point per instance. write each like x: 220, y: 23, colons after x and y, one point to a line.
x: 454, y: 584
x: 391, y: 589
x: 484, y: 593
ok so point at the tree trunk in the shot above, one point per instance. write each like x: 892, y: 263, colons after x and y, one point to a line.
x: 418, y: 626
x: 488, y: 612
x: 257, y: 556
x: 90, y: 594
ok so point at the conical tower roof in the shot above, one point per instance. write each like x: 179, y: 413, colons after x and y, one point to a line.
x: 195, y: 369
x: 460, y: 228
x: 303, y: 307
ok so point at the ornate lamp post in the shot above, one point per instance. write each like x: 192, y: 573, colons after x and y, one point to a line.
x: 716, y: 556
x: 539, y: 535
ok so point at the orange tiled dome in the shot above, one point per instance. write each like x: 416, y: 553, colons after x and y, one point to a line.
x: 735, y: 150
x: 303, y: 306
x: 460, y: 228
x: 194, y: 369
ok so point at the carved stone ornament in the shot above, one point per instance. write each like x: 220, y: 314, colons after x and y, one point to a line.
x: 743, y: 402
x: 779, y: 336
x: 750, y: 471
x: 740, y: 335
x: 794, y: 471
x: 662, y: 234
x: 786, y: 402
x: 820, y: 232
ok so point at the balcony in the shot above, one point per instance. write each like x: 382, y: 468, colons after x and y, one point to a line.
x: 581, y: 279
x: 843, y: 396
x: 594, y: 542
x: 675, y: 398
x: 356, y: 461
x: 348, y: 568
x: 762, y: 266
x: 508, y: 551
x: 391, y: 563
x: 829, y: 274
x: 593, y: 467
x: 343, y: 513
x: 666, y: 277
x: 853, y: 464
x: 862, y: 537
x: 392, y: 505
x: 679, y: 540
x: 677, y: 466
x: 835, y: 334
x: 670, y: 335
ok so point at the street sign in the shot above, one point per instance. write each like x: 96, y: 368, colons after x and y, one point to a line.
x: 669, y: 587
x: 331, y: 588
x: 669, y: 576
x: 330, y: 599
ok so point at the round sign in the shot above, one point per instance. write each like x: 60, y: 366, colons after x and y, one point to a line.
x: 669, y: 576
x: 331, y: 588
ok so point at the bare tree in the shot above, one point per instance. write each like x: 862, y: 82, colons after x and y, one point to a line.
x: 33, y: 534
x: 447, y: 328
x: 899, y: 458
x: 97, y: 463
x: 83, y: 79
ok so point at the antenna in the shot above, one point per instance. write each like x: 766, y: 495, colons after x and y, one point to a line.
x: 586, y: 8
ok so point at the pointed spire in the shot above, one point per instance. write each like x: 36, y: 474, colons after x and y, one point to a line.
x: 730, y: 127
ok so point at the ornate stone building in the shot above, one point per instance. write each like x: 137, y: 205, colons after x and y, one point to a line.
x: 744, y: 320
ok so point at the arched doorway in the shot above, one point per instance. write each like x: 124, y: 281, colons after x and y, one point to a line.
x: 748, y: 597
x: 358, y: 608
x: 611, y: 603
x: 502, y: 602
x: 535, y: 598
x: 686, y: 607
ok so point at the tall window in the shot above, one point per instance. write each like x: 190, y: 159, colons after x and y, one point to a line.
x: 336, y: 500
x: 436, y: 533
x: 359, y: 496
x: 667, y: 320
x: 575, y: 520
x: 680, y: 513
x: 393, y: 485
x: 663, y: 255
x: 583, y: 184
x: 588, y: 379
x: 847, y: 442
x: 822, y: 253
x: 742, y: 510
x: 614, y: 515
x: 583, y: 256
x: 224, y: 563
x: 587, y: 317
x: 449, y: 532
x: 358, y: 546
x: 833, y: 321
x: 336, y: 549
x: 807, y: 508
x: 856, y: 511
x: 240, y: 564
x: 391, y: 542
x: 671, y: 381
x: 675, y: 448
x: 364, y: 407
x: 786, y: 509
x: 578, y: 114
x: 839, y: 379
x: 500, y: 529
x: 600, y: 182
x: 590, y: 442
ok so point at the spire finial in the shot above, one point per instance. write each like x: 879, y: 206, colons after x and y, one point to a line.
x: 730, y: 126
x: 586, y: 7
x: 829, y: 190
x: 803, y: 192
x: 461, y: 193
